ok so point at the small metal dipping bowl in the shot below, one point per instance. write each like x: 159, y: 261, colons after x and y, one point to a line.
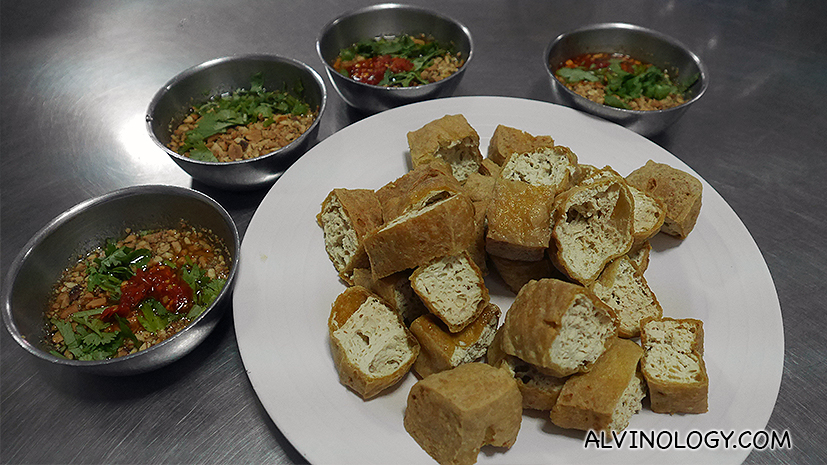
x: 85, y: 227
x: 643, y: 44
x: 386, y: 20
x: 196, y: 85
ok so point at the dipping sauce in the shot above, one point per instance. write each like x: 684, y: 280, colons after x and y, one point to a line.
x: 247, y: 123
x: 399, y: 61
x: 622, y: 81
x: 372, y: 70
x: 134, y: 293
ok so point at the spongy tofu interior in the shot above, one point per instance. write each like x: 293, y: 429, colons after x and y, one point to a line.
x: 473, y: 341
x: 414, y: 212
x: 629, y: 403
x: 628, y: 294
x: 340, y: 239
x: 374, y: 340
x: 543, y: 167
x: 587, y: 234
x: 460, y: 155
x: 441, y: 349
x: 467, y: 353
x: 407, y: 302
x: 452, y: 286
x: 647, y: 212
x: 669, y: 354
x: 583, y: 332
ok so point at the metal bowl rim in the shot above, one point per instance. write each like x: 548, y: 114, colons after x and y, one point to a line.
x: 703, y: 74
x: 393, y: 6
x: 73, y: 212
x: 230, y: 58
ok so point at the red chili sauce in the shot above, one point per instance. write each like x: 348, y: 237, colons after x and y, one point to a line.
x: 602, y: 60
x: 160, y: 282
x: 372, y: 70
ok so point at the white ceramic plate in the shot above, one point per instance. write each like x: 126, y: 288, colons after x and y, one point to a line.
x: 286, y: 285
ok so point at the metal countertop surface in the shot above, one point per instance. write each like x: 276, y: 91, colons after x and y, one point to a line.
x: 78, y: 77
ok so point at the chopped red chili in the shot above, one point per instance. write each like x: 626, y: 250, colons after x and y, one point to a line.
x: 160, y: 282
x: 372, y: 70
x: 603, y: 60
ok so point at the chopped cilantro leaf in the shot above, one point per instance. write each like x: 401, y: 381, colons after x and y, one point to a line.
x: 195, y: 311
x: 240, y: 108
x: 576, y: 75
x: 613, y: 101
x: 202, y: 153
x: 205, y: 290
x: 67, y: 332
x: 117, y: 265
x: 419, y: 52
x: 85, y: 339
x: 125, y: 331
x: 622, y: 86
x: 98, y: 339
x: 154, y: 317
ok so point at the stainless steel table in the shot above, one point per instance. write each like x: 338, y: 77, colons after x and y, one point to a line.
x: 77, y: 77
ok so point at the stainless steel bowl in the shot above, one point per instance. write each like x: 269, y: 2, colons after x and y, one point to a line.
x: 85, y: 227
x: 641, y: 43
x: 194, y: 86
x: 390, y: 20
